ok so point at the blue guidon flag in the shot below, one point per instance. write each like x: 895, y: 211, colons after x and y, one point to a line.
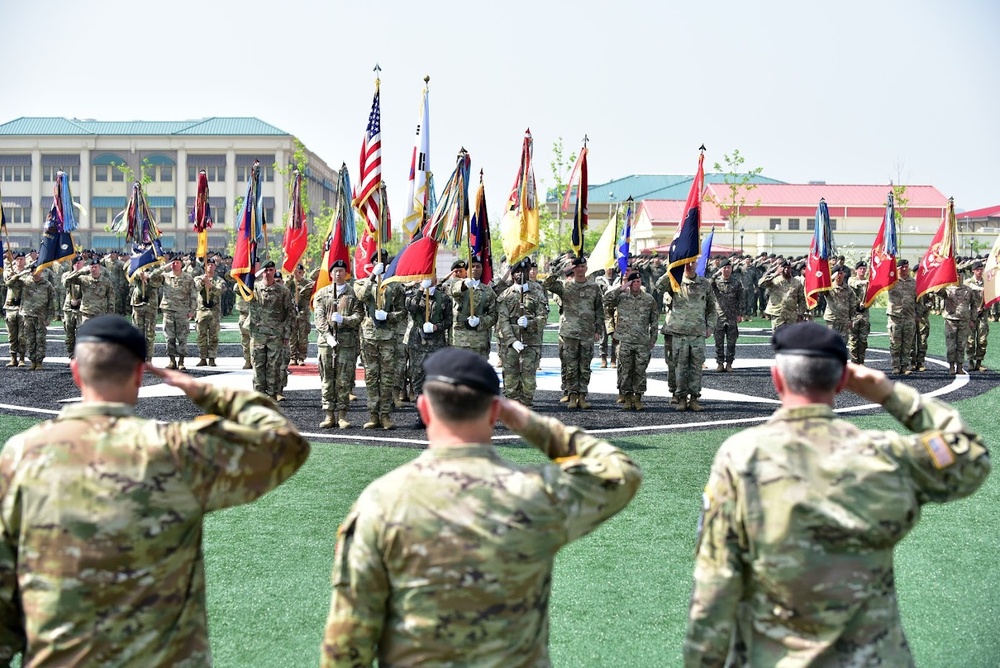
x: 57, y: 240
x: 684, y: 246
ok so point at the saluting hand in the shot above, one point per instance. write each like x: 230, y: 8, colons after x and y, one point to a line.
x: 868, y: 383
x: 514, y: 414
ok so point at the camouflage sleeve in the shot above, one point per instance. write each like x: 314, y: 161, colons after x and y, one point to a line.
x: 553, y: 284
x: 12, y: 638
x: 504, y: 315
x: 711, y: 313
x: 360, y: 591
x: 354, y: 315
x: 320, y: 317
x: 663, y: 283
x: 591, y: 478
x: 240, y: 450
x: 718, y: 572
x: 946, y: 459
x: 491, y: 310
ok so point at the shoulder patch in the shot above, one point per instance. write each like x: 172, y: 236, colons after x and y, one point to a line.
x: 939, y: 449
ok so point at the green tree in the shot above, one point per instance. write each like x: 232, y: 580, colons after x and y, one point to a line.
x: 739, y: 182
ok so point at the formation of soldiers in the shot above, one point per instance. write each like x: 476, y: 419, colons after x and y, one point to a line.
x: 390, y: 327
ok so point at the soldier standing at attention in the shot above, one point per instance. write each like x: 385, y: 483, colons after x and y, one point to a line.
x: 448, y: 559
x: 902, y: 318
x: 841, y: 303
x: 338, y: 315
x: 794, y: 564
x: 959, y: 303
x: 105, y: 566
x: 522, y: 314
x: 270, y: 319
x: 243, y: 307
x: 178, y: 304
x: 606, y: 282
x: 301, y: 288
x: 12, y: 310
x: 857, y: 341
x: 383, y: 310
x: 634, y: 313
x: 38, y: 305
x: 475, y: 311
x: 97, y: 296
x: 143, y: 298
x: 580, y: 325
x: 730, y: 300
x: 430, y: 320
x: 208, y: 318
x: 691, y: 319
x: 779, y: 282
x: 921, y: 330
x: 979, y: 336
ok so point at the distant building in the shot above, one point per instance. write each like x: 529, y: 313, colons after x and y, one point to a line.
x: 33, y: 150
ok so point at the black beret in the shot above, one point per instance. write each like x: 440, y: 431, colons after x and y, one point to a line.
x: 268, y: 265
x: 338, y: 264
x: 94, y: 261
x: 475, y: 259
x: 523, y: 265
x: 300, y: 266
x: 211, y: 260
x: 113, y: 329
x: 579, y: 260
x: 810, y: 339
x: 724, y: 263
x: 459, y: 264
x: 381, y: 256
x: 634, y: 276
x: 458, y: 366
x: 861, y: 264
x: 977, y: 265
x: 837, y: 268
x: 902, y: 262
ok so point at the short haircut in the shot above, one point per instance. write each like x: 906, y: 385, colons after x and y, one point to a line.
x: 809, y: 375
x: 457, y: 403
x: 104, y: 364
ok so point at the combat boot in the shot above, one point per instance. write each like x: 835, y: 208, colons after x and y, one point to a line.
x: 373, y: 421
x: 211, y: 361
x: 694, y: 405
x: 581, y: 401
x: 328, y: 422
x: 681, y: 404
x: 980, y: 367
x: 342, y: 420
x: 386, y: 422
x: 173, y: 363
x: 959, y: 371
x: 674, y: 398
x: 574, y: 401
x: 614, y: 363
x: 637, y: 402
x: 627, y: 401
x: 397, y: 400
x: 621, y: 399
x: 35, y: 366
x: 951, y: 368
x: 246, y: 362
x: 921, y: 367
x: 604, y: 361
x: 720, y: 367
x: 180, y: 363
x: 564, y: 399
x: 729, y: 366
x: 202, y: 362
x: 13, y: 360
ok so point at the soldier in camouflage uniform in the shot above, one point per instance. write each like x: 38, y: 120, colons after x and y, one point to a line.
x: 522, y: 312
x: 119, y: 284
x: 959, y: 304
x: 208, y: 317
x: 749, y: 275
x: 383, y: 310
x: 979, y: 335
x: 71, y: 306
x: 38, y: 304
x: 690, y: 318
x: 301, y: 288
x: 269, y: 321
x: 841, y: 303
x: 59, y: 270
x: 243, y: 307
x: 857, y: 342
x: 921, y: 330
x: 634, y: 315
x: 779, y: 283
x: 609, y: 353
x: 106, y: 566
x: 12, y: 310
x: 475, y: 312
x: 178, y: 304
x: 902, y: 318
x: 143, y: 297
x: 338, y: 315
x: 448, y: 559
x: 730, y: 300
x: 794, y: 562
x: 430, y: 320
x: 581, y: 322
x: 97, y: 296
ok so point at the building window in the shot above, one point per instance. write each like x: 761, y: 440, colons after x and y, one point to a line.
x: 116, y: 174
x: 166, y: 173
x: 218, y: 215
x: 243, y: 173
x: 269, y: 215
x: 101, y: 216
x: 50, y: 173
x: 16, y: 173
x: 775, y: 224
x: 793, y: 223
x: 810, y: 224
x: 213, y: 173
x: 833, y: 224
x: 18, y: 215
x: 161, y: 173
x: 100, y: 173
x: 165, y: 216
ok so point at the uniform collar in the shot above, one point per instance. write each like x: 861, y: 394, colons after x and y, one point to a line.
x: 94, y: 408
x: 802, y: 413
x: 461, y: 452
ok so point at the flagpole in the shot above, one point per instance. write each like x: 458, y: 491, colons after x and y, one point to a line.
x: 378, y: 244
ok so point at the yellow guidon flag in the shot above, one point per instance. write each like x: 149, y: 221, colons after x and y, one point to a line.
x: 520, y: 221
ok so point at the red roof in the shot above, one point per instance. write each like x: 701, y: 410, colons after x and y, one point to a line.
x: 670, y: 211
x: 988, y: 212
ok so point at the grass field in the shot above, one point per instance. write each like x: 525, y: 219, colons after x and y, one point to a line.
x: 620, y: 595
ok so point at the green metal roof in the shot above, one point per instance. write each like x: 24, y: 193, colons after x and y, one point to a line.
x: 651, y: 186
x: 117, y: 203
x: 52, y: 125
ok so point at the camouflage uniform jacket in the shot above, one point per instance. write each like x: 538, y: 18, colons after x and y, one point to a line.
x: 860, y: 287
x: 903, y: 299
x: 439, y: 314
x: 793, y: 305
x: 729, y: 298
x: 101, y: 553
x: 533, y: 305
x: 795, y: 556
x: 634, y: 316
x: 209, y: 294
x: 393, y: 303
x: 583, y: 307
x: 484, y: 307
x: 337, y: 299
x: 691, y: 309
x: 841, y: 304
x: 270, y: 310
x: 447, y: 560
x: 38, y: 300
x: 960, y: 303
x: 178, y: 294
x: 97, y: 295
x: 301, y: 296
x: 12, y: 281
x: 777, y: 287
x: 978, y: 291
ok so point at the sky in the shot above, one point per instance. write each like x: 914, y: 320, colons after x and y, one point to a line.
x: 850, y: 92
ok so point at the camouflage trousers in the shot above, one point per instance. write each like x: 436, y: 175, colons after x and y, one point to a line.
x: 842, y: 327
x: 956, y: 337
x: 244, y: 323
x: 668, y: 357
x: 979, y: 335
x: 60, y: 299
x: 901, y: 332
x: 402, y: 367
x: 921, y: 332
x: 478, y: 345
x: 286, y: 358
x: 71, y: 320
x: 33, y: 337
x: 749, y: 301
x: 207, y: 325
x: 633, y: 360
x: 144, y: 318
x: 857, y: 340
x: 176, y: 329
x: 575, y: 356
x: 15, y: 321
x: 689, y: 356
x: 608, y: 347
x: 336, y: 375
x: 519, y: 370
x: 299, y: 336
x: 268, y: 356
x: 380, y: 374
x: 416, y: 355
x: 726, y: 334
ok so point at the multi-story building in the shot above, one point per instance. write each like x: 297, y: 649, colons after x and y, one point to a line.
x: 102, y: 157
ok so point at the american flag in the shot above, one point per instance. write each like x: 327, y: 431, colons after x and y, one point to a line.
x: 366, y: 196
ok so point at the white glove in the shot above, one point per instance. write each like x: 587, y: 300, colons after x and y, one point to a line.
x: 469, y: 283
x: 331, y: 340
x: 431, y: 290
x: 473, y: 321
x: 378, y: 269
x: 338, y: 318
x: 426, y: 283
x: 517, y: 345
x: 428, y: 328
x: 381, y: 315
x: 523, y: 321
x: 525, y: 287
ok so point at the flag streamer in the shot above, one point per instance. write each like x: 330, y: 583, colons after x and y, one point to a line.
x: 418, y: 204
x: 817, y: 277
x: 625, y: 245
x: 250, y: 230
x: 520, y: 222
x: 706, y: 251
x: 480, y: 238
x: 882, y: 259
x: 342, y: 234
x: 296, y: 231
x: 938, y: 268
x: 137, y: 224
x: 580, y: 214
x: 57, y: 239
x: 451, y: 217
x: 684, y: 246
x: 201, y: 214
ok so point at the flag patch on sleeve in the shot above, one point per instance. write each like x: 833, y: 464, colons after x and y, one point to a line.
x: 939, y: 450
